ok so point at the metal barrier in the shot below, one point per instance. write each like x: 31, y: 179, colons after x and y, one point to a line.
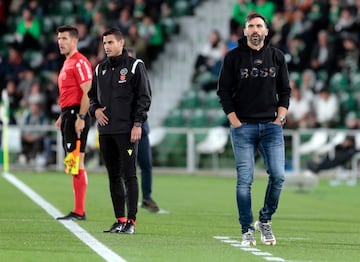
x: 191, y: 137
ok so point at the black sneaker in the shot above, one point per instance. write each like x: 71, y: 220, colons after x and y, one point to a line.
x: 150, y: 205
x: 72, y: 216
x: 129, y: 228
x: 117, y: 227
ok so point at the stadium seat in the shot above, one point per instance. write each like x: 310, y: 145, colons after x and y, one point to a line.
x: 317, y: 140
x: 175, y: 119
x: 197, y: 118
x: 214, y: 143
x: 217, y: 117
x: 190, y: 100
x: 157, y: 135
x: 211, y: 100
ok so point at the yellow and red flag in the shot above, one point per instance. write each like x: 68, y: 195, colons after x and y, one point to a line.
x: 72, y: 160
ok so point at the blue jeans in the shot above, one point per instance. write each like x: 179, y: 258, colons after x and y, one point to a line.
x: 268, y: 138
x: 144, y: 159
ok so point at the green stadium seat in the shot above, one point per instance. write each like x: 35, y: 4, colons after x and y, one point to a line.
x: 175, y: 119
x: 190, y: 100
x: 197, y: 118
x: 217, y: 117
x: 211, y: 100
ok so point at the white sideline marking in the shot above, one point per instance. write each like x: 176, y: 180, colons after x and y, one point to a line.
x: 73, y: 227
x: 255, y: 251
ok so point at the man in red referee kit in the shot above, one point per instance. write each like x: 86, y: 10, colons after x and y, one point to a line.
x: 74, y: 121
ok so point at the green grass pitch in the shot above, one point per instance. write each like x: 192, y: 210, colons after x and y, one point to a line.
x: 321, y: 224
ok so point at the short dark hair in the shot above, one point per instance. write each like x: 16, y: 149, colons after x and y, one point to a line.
x: 254, y: 15
x: 73, y: 31
x: 114, y: 31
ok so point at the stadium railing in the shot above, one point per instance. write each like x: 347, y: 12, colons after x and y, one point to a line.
x: 177, y: 149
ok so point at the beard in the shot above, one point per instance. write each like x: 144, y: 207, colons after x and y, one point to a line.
x: 256, y: 39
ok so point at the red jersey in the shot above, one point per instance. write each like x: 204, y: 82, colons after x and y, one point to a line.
x: 75, y: 71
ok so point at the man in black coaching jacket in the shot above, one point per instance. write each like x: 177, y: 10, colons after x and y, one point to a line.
x: 120, y: 98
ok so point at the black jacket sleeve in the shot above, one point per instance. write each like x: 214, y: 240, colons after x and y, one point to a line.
x: 93, y: 96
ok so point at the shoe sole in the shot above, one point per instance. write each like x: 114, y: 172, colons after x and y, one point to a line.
x: 266, y: 242
x: 150, y: 209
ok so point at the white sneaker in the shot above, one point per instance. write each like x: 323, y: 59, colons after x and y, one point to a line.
x: 248, y: 239
x: 267, y: 236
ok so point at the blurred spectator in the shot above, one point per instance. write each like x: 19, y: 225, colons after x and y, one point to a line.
x: 240, y: 10
x: 135, y: 41
x: 296, y: 54
x: 232, y: 42
x: 279, y: 29
x: 210, y: 54
x: 85, y: 38
x: 299, y: 114
x: 322, y: 53
x: 342, y: 153
x: 4, y: 11
x: 357, y: 15
x: 14, y: 101
x: 125, y: 20
x: 25, y: 85
x: 112, y: 12
x: 152, y: 33
x: 86, y: 12
x: 97, y: 21
x: 334, y: 13
x: 139, y: 9
x: 346, y: 21
x: 32, y: 140
x: 28, y: 30
x: 326, y: 108
x: 308, y: 84
x: 266, y: 8
x: 52, y: 58
x: 37, y: 8
x: 348, y: 57
x: 14, y: 65
x: 300, y: 28
x: 51, y: 93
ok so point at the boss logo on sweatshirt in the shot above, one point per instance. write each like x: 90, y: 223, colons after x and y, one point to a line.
x: 123, y: 73
x: 257, y: 72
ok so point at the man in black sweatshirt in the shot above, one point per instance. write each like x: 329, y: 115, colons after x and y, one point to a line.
x: 254, y: 92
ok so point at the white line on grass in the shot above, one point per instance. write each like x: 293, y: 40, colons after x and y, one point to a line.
x: 255, y: 251
x: 73, y: 227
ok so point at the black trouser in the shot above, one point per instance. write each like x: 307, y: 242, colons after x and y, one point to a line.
x: 119, y: 156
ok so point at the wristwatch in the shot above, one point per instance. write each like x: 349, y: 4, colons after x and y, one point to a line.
x: 138, y: 124
x: 282, y: 119
x: 81, y: 116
